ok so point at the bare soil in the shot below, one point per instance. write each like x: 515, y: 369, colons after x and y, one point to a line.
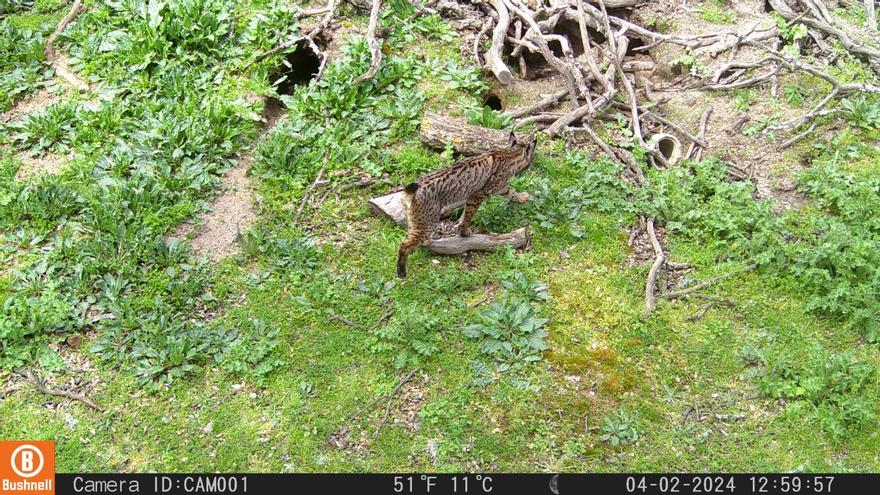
x: 232, y: 212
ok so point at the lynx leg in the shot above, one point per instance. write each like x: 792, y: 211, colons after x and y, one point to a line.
x: 464, y: 229
x: 415, y: 237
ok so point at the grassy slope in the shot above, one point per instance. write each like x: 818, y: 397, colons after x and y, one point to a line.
x: 603, y: 355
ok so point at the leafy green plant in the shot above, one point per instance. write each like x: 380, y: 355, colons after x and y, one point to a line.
x: 489, y: 118
x: 794, y: 94
x: 254, y: 353
x: 26, y: 318
x: 510, y: 333
x: 21, y: 62
x: 834, y: 385
x: 692, y: 64
x: 862, y: 112
x: 619, y: 427
x: 717, y: 12
x: 409, y: 339
x: 523, y: 286
x: 743, y: 99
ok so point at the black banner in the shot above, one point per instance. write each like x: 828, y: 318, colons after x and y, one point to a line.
x: 467, y: 484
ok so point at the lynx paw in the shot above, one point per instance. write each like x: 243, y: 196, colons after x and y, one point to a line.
x: 464, y: 231
x: 520, y: 197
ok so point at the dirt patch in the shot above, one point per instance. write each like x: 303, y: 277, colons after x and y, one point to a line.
x: 37, y: 102
x: 232, y: 212
x: 31, y: 166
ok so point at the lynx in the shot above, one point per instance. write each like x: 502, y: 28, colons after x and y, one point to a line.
x: 473, y: 179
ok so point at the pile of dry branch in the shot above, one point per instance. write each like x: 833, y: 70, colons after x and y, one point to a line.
x: 597, y: 50
x: 602, y: 70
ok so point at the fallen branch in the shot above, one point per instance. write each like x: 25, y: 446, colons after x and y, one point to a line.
x: 41, y: 387
x: 540, y: 105
x: 478, y: 242
x: 307, y: 195
x: 346, y: 321
x: 871, y: 15
x: 695, y: 151
x: 52, y: 57
x: 797, y: 137
x: 659, y: 258
x: 706, y: 283
x: 375, y: 51
x: 388, y: 398
x: 544, y: 48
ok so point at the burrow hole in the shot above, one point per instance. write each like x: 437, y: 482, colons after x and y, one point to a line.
x: 633, y: 44
x: 493, y: 101
x: 297, y: 68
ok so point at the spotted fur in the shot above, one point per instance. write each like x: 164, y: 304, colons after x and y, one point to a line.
x: 473, y: 179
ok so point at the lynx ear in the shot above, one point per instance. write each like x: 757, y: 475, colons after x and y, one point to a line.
x: 511, y: 139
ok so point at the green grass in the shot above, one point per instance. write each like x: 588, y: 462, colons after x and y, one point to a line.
x: 239, y: 365
x: 717, y: 12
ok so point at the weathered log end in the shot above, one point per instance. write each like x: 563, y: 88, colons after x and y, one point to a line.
x: 390, y: 206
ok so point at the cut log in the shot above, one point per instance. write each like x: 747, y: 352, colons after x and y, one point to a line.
x: 391, y: 206
x: 478, y: 242
x: 438, y: 130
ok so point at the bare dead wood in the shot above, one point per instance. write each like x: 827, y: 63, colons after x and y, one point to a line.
x: 870, y: 14
x: 668, y: 123
x: 438, y: 130
x: 311, y: 188
x: 375, y: 51
x: 694, y: 150
x: 391, y: 206
x: 706, y: 283
x: 588, y: 110
x: 659, y: 258
x: 388, y: 398
x: 872, y: 55
x: 478, y: 242
x: 346, y: 321
x: 479, y: 39
x: 838, y: 89
x: 544, y: 48
x: 41, y: 387
x: 493, y: 56
x: 538, y: 118
x: 797, y: 137
x: 521, y: 60
x: 363, y: 183
x: 57, y: 62
x: 540, y: 105
x: 588, y: 51
x: 307, y: 195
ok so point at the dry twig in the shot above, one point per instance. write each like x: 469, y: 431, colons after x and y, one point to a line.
x: 41, y: 387
x: 375, y: 51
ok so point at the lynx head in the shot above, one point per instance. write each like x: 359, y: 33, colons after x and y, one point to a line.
x: 525, y: 148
